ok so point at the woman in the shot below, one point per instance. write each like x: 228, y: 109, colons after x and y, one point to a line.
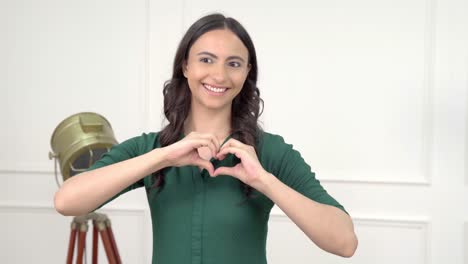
x: 212, y: 175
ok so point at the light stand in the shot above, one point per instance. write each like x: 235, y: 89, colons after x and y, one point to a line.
x: 78, y: 142
x: 101, y: 226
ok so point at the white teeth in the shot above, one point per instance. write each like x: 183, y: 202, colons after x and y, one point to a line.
x: 214, y: 89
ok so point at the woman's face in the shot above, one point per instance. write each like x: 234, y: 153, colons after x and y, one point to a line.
x: 216, y: 69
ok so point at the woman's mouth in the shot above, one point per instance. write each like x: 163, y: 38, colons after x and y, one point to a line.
x: 214, y: 89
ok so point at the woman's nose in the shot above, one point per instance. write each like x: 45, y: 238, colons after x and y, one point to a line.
x: 219, y: 73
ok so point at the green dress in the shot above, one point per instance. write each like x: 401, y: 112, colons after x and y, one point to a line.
x: 197, y: 219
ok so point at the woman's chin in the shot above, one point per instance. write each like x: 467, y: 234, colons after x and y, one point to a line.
x: 216, y: 106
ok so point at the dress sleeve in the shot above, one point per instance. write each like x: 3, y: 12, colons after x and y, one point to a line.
x: 288, y: 166
x: 126, y: 150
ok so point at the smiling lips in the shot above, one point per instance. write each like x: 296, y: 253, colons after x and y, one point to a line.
x: 214, y: 89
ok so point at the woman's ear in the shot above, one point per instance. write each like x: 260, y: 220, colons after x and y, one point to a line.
x: 184, y: 68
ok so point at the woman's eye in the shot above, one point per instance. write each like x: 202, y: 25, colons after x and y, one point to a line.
x: 234, y: 64
x: 206, y: 60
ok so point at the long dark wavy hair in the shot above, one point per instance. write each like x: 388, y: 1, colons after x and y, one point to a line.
x: 247, y: 106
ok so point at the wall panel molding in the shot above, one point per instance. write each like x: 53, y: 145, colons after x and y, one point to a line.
x: 421, y: 225
x: 425, y: 181
x: 466, y: 129
x: 465, y: 243
x: 138, y: 215
x: 47, y: 209
x: 427, y: 118
x: 145, y: 98
x: 41, y: 165
x: 28, y: 167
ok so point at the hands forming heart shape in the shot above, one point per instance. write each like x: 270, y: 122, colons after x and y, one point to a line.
x: 198, y: 149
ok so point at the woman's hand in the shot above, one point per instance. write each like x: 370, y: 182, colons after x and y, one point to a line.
x: 186, y: 151
x: 249, y: 170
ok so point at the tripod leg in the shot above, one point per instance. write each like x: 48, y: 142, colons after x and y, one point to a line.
x: 113, y: 243
x: 95, y: 243
x: 71, y: 243
x: 106, y: 241
x: 81, y: 242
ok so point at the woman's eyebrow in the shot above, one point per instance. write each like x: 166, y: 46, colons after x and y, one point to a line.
x: 216, y: 57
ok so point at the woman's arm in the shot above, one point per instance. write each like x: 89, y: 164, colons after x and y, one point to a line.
x: 327, y: 226
x: 86, y: 191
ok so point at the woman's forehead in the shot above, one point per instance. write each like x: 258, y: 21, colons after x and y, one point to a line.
x: 222, y: 42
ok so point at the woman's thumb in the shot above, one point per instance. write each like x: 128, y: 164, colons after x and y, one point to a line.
x: 224, y: 171
x: 205, y: 164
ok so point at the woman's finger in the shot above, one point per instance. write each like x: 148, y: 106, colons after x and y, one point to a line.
x: 212, y: 138
x: 234, y: 143
x: 221, y: 155
x: 225, y: 171
x: 217, y: 143
x: 238, y: 152
x: 205, y: 164
x: 197, y: 143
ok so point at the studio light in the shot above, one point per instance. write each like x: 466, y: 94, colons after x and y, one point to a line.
x: 77, y: 142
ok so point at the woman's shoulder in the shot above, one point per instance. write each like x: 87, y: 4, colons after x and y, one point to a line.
x: 142, y: 143
x: 268, y: 138
x: 144, y: 137
x: 275, y: 154
x: 271, y: 143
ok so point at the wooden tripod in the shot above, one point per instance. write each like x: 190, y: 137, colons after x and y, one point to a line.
x: 101, y: 225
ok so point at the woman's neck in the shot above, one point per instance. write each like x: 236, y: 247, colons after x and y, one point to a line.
x: 216, y: 122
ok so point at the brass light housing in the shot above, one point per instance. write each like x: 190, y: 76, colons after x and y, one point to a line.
x: 79, y: 141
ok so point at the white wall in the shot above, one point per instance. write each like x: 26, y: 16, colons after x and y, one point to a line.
x: 373, y: 93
